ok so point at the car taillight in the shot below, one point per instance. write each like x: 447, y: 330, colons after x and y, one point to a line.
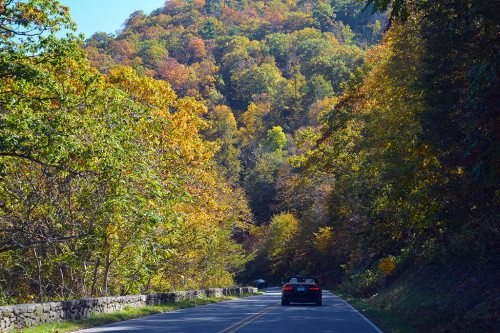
x: 287, y: 288
x: 313, y: 288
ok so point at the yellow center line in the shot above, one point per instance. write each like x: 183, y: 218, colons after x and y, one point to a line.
x: 249, y: 319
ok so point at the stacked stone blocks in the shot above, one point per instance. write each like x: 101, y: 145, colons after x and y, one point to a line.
x: 26, y: 315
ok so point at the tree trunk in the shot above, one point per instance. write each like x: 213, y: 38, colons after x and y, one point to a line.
x: 107, y: 265
x: 38, y: 275
x: 92, y: 290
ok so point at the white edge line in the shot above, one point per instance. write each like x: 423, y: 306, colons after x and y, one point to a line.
x: 362, y: 316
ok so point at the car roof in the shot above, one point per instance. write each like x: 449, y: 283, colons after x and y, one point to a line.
x: 302, y: 276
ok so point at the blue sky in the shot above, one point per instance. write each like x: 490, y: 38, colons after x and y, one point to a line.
x: 106, y: 15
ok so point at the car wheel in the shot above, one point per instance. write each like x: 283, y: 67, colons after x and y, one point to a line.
x: 319, y: 302
x: 283, y: 302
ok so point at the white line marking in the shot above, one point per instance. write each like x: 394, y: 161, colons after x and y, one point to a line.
x: 362, y: 316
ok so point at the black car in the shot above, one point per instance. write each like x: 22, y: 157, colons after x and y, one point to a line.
x: 301, y: 289
x: 260, y: 283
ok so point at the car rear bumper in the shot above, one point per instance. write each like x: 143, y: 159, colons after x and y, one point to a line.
x: 301, y: 298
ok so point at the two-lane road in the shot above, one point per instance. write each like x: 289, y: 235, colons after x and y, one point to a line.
x: 263, y: 313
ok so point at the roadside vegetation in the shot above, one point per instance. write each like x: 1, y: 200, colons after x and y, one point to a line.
x: 386, y: 321
x: 435, y: 297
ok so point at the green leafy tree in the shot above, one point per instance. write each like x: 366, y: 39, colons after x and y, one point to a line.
x: 275, y: 140
x: 152, y: 53
x: 279, y: 47
x: 37, y: 129
x: 323, y: 14
x: 209, y: 28
x: 280, y: 243
x: 257, y: 80
x: 260, y: 183
x: 224, y: 128
x: 318, y: 88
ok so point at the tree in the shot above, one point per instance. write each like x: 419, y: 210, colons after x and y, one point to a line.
x: 224, y: 128
x: 257, y: 80
x: 360, y: 17
x: 182, y: 78
x: 196, y: 50
x: 135, y: 19
x: 210, y: 5
x: 209, y: 28
x: 260, y: 183
x: 153, y: 54
x: 317, y: 89
x: 35, y: 119
x: 253, y: 120
x: 275, y: 139
x: 297, y: 21
x: 280, y: 245
x: 279, y: 47
x: 323, y: 14
x: 121, y: 51
x: 100, y: 40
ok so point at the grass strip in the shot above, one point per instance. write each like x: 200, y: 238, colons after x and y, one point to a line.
x: 131, y: 313
x: 385, y: 320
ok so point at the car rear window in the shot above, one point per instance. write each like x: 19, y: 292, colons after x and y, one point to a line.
x: 302, y: 280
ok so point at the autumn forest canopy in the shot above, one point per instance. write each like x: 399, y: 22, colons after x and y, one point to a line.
x: 212, y: 142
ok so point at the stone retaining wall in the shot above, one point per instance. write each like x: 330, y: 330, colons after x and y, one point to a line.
x: 27, y: 315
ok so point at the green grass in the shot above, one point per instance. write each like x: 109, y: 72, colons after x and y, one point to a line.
x: 103, y: 319
x: 386, y: 321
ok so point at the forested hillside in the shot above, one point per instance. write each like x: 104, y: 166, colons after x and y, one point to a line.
x: 209, y: 141
x: 257, y: 66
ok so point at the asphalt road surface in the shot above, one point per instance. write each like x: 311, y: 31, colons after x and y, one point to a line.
x: 262, y: 313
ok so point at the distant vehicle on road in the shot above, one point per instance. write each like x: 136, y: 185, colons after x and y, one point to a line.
x: 301, y: 289
x: 260, y: 283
